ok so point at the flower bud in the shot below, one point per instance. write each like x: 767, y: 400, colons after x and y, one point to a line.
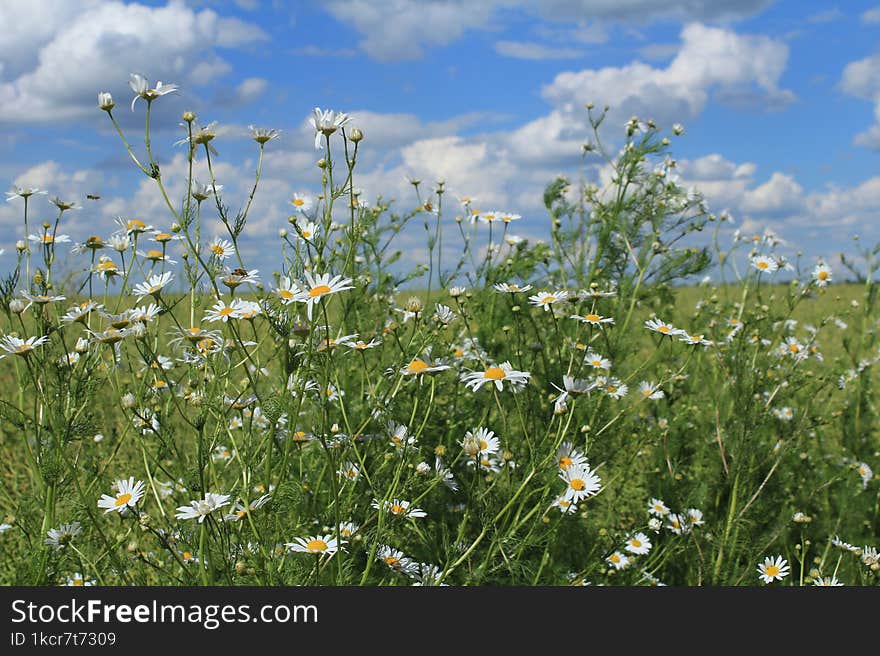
x: 356, y: 135
x: 20, y: 245
x: 105, y: 101
x: 17, y: 306
x: 189, y: 116
x: 128, y: 401
x: 82, y: 345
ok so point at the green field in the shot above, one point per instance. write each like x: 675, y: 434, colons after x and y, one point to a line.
x: 555, y: 412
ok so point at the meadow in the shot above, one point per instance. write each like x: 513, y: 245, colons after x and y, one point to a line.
x: 645, y: 397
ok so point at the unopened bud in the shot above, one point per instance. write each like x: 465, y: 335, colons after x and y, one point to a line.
x: 105, y: 101
x: 189, y: 116
x: 356, y: 135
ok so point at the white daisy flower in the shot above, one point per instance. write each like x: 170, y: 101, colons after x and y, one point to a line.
x: 128, y: 493
x: 773, y: 569
x: 200, y: 509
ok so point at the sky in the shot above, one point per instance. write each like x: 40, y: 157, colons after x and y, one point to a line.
x: 780, y: 101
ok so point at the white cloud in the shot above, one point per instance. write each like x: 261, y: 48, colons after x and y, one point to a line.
x: 535, y: 51
x: 871, y: 16
x: 402, y: 29
x: 709, y: 59
x: 58, y: 75
x: 861, y: 79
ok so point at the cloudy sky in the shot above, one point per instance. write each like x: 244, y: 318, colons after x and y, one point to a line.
x: 780, y: 101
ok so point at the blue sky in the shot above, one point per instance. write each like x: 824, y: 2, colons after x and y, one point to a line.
x: 780, y: 101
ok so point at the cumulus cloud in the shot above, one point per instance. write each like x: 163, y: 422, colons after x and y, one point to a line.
x: 78, y: 53
x: 861, y: 79
x: 709, y: 58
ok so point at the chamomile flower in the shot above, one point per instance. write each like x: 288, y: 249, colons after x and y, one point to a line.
x: 302, y: 202
x: 497, y: 375
x: 546, y: 299
x: 581, y: 482
x: 398, y: 508
x: 326, y: 122
x: 592, y: 319
x: 423, y: 366
x: 348, y: 529
x: 42, y: 299
x: 48, y: 240
x: 318, y: 287
x: 349, y: 470
x: 394, y: 559
x: 221, y: 249
x: 597, y: 361
x: 60, y: 537
x: 827, y: 581
x: 821, y: 274
x: 132, y: 226
x: 154, y: 255
x: 662, y: 327
x: 141, y: 88
x: 153, y: 286
x: 320, y: 545
x: 568, y: 456
x: 657, y: 508
x: 287, y: 290
x: 128, y: 493
x: 694, y: 340
x: 232, y: 278
x: 308, y: 230
x: 638, y: 544
x: 16, y: 346
x: 220, y: 311
x: 650, y: 390
x: 511, y: 288
x: 764, y: 263
x: 481, y: 442
x: 695, y: 516
x: 618, y: 560
x: 773, y: 569
x: 678, y: 524
x: 79, y: 580
x: 865, y: 472
x: 199, y: 509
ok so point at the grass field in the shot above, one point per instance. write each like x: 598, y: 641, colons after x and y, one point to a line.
x: 551, y: 413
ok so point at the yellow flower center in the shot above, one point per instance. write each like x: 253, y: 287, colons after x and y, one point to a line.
x: 771, y: 570
x: 187, y: 555
x: 136, y: 224
x: 225, y: 312
x: 77, y: 582
x: 122, y: 499
x: 307, y: 234
x: 391, y: 561
x: 397, y: 509
x: 822, y: 275
x: 794, y: 348
x: 615, y: 558
x: 592, y: 318
x: 549, y: 299
x: 285, y: 294
x: 162, y: 236
x: 495, y: 373
x: 635, y: 543
x: 319, y: 290
x: 316, y: 545
x: 48, y: 239
x: 217, y: 249
x: 417, y: 366
x: 299, y: 202
x: 663, y: 329
x: 154, y: 254
x: 577, y: 484
x: 762, y: 264
x: 565, y: 462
